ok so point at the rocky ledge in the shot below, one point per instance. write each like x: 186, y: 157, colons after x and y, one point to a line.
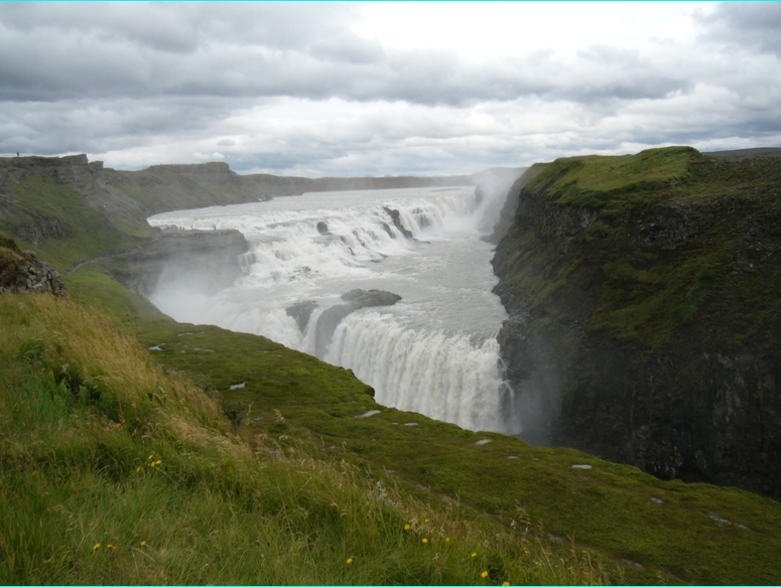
x: 22, y: 272
x: 206, y: 260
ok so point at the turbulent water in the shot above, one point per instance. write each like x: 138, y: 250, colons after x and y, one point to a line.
x: 433, y: 352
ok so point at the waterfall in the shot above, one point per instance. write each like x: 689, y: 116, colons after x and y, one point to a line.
x: 433, y: 351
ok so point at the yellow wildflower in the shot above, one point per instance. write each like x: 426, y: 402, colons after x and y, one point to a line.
x: 349, y: 561
x: 158, y: 462
x: 447, y: 540
x: 424, y: 540
x: 97, y: 546
x: 407, y: 527
x: 426, y: 521
x: 142, y: 543
x: 506, y: 584
x: 473, y: 555
x: 150, y: 457
x: 138, y: 469
x: 110, y: 546
x: 484, y: 574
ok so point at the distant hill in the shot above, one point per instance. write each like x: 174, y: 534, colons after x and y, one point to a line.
x: 744, y: 152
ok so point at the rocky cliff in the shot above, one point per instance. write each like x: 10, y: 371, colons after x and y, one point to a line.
x: 207, y: 261
x: 22, y: 272
x: 644, y: 295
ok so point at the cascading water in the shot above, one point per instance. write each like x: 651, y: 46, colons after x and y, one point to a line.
x: 434, y: 351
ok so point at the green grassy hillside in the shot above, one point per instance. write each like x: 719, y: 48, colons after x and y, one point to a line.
x: 284, y: 484
x: 205, y: 456
x: 118, y: 470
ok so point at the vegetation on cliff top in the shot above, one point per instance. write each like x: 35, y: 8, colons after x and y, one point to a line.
x: 674, y: 233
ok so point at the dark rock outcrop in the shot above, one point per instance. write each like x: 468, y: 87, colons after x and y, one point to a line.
x: 645, y: 314
x: 356, y: 299
x: 205, y: 260
x: 301, y: 312
x: 22, y: 272
x: 396, y: 217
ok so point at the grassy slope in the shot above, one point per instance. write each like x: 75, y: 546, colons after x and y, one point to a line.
x: 291, y: 402
x: 115, y: 470
x: 297, y: 400
x: 91, y: 234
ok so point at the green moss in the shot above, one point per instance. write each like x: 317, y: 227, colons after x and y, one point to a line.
x: 595, y: 181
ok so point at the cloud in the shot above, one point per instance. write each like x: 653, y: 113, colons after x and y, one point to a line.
x: 348, y: 47
x: 308, y: 90
x: 755, y: 25
x: 53, y: 55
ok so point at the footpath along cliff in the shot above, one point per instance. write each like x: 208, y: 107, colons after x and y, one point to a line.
x: 644, y: 295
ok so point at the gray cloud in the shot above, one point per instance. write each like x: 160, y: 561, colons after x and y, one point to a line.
x: 53, y: 55
x: 752, y: 24
x: 348, y: 47
x: 292, y: 88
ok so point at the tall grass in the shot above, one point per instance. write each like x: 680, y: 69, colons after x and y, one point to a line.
x: 114, y: 471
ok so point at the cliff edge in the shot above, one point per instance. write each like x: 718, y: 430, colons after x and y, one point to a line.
x: 644, y: 295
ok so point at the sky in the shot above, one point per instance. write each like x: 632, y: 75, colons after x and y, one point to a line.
x: 384, y: 88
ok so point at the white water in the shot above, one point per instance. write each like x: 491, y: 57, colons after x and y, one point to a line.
x: 433, y: 352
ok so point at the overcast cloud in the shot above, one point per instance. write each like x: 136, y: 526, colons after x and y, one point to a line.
x: 385, y: 88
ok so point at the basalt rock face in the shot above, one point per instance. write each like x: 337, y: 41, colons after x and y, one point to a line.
x: 644, y: 295
x: 208, y: 261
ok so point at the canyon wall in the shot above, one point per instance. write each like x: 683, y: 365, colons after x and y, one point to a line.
x: 644, y: 301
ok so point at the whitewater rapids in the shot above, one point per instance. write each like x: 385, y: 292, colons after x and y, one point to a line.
x: 434, y: 352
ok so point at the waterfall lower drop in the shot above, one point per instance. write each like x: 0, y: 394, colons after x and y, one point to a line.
x: 446, y: 377
x: 324, y: 275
